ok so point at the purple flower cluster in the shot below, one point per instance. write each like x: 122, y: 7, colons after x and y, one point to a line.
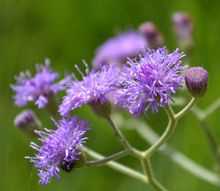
x: 117, y: 49
x: 93, y: 89
x: 60, y: 148
x: 146, y: 81
x: 149, y: 81
x: 38, y: 88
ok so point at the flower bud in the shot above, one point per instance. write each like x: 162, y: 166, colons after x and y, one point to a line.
x: 183, y: 28
x: 152, y: 35
x: 196, y: 79
x: 27, y: 122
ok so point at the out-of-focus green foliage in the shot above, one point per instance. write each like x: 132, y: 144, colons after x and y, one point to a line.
x: 68, y: 31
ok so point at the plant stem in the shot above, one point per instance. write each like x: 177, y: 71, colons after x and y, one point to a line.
x: 177, y: 157
x: 114, y: 156
x: 212, y: 108
x: 145, y: 161
x: 167, y: 133
x: 202, y: 116
x: 144, y: 157
x: 117, y: 166
x: 181, y: 113
x: 146, y: 165
x: 123, y: 139
x: 214, y: 146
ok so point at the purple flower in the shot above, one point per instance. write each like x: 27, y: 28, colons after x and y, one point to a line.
x: 150, y: 81
x: 93, y: 89
x: 59, y: 147
x: 183, y: 27
x: 38, y: 88
x: 152, y: 35
x: 117, y: 49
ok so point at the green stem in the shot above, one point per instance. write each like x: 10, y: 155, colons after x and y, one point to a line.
x: 117, y: 166
x: 123, y: 139
x: 165, y: 136
x: 146, y: 132
x: 212, y: 108
x: 145, y: 160
x: 146, y: 165
x: 144, y: 157
x: 201, y: 116
x: 114, y: 156
x: 185, y: 109
x: 214, y: 146
x: 177, y: 157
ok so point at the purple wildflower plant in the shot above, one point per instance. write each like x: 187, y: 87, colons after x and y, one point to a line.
x: 59, y: 147
x: 116, y: 50
x: 38, y: 88
x: 149, y: 81
x: 92, y: 89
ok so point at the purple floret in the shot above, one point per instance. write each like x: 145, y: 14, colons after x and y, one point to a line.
x: 93, y: 89
x: 60, y: 146
x: 38, y: 88
x: 149, y: 81
x: 117, y: 49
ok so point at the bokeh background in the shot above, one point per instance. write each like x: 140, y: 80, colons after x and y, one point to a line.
x: 68, y: 31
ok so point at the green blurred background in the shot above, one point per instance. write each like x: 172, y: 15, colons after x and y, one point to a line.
x: 68, y: 31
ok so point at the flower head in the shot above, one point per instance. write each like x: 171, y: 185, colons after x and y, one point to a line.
x: 196, y: 79
x: 38, y: 88
x: 59, y: 147
x: 117, y: 49
x: 93, y: 89
x: 150, y: 81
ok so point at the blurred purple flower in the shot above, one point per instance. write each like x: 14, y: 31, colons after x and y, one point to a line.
x: 150, y: 81
x: 183, y: 27
x: 93, y: 89
x: 116, y: 50
x: 59, y: 147
x: 152, y: 35
x: 38, y: 88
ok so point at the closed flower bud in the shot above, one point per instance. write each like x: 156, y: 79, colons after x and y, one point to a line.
x: 27, y: 121
x: 196, y: 79
x: 152, y: 35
